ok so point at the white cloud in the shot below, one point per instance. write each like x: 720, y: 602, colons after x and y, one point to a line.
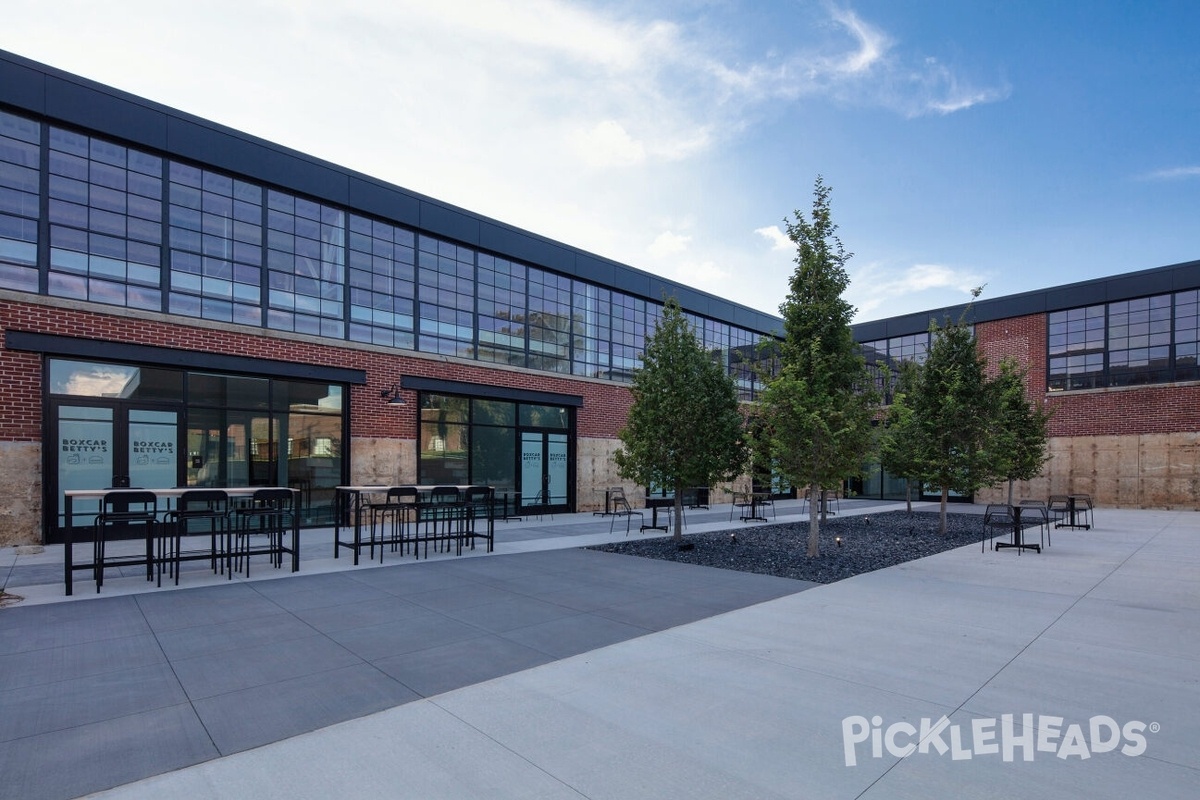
x: 668, y: 243
x: 879, y: 288
x: 1174, y: 173
x: 705, y: 275
x: 872, y: 43
x: 941, y: 91
x: 583, y: 122
x: 609, y: 144
x: 775, y: 235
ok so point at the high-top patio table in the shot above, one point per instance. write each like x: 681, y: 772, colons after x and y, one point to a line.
x: 349, y: 503
x: 167, y: 494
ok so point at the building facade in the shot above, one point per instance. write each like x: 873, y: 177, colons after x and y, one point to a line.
x: 1113, y: 359
x: 185, y: 304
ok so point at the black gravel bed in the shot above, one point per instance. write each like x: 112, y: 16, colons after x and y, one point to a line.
x: 869, y: 542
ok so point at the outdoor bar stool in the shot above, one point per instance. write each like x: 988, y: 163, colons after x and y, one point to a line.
x: 480, y: 502
x: 443, y: 517
x: 621, y: 508
x: 398, y: 507
x: 995, y: 516
x: 270, y: 513
x: 1038, y: 507
x: 122, y: 510
x: 203, y: 509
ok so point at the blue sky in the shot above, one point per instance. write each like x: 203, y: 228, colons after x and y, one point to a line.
x: 1012, y: 143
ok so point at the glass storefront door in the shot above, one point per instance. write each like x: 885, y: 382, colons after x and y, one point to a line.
x: 113, y: 444
x: 545, y: 468
x: 516, y: 447
x: 127, y: 424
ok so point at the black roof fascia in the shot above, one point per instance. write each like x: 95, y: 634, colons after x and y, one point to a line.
x: 60, y: 96
x: 1131, y: 285
x: 418, y: 383
x: 75, y: 347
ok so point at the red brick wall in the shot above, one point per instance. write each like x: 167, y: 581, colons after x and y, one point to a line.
x: 605, y: 406
x: 1164, y: 408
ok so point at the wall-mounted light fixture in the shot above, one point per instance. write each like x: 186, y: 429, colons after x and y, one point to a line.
x: 392, y: 396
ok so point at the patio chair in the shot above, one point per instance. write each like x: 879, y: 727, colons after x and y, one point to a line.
x: 1083, y: 510
x: 1041, y: 514
x: 1058, y: 506
x: 621, y: 508
x: 742, y: 500
x: 996, y: 516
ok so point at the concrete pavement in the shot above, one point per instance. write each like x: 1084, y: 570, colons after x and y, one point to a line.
x: 819, y: 693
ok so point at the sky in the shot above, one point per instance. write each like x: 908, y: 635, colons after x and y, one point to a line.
x: 1008, y: 144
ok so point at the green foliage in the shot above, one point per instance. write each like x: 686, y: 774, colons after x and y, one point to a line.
x: 951, y: 427
x: 1020, y: 433
x: 897, y: 454
x: 685, y: 427
x: 814, y: 415
x: 952, y: 406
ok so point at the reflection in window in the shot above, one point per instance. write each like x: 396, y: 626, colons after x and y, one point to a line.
x: 19, y: 206
x: 502, y: 295
x: 1187, y: 334
x: 1125, y: 343
x: 1076, y: 346
x: 216, y: 241
x: 549, y: 321
x: 591, y: 317
x: 240, y: 252
x: 382, y: 280
x: 105, y: 222
x: 446, y: 297
x: 306, y: 260
x: 120, y: 381
x: 884, y: 357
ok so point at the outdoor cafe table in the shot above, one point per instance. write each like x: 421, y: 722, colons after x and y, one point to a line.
x: 752, y: 501
x: 654, y: 504
x: 349, y: 502
x: 1072, y: 508
x: 167, y: 494
x: 1018, y: 534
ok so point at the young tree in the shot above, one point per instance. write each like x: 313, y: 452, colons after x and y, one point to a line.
x: 685, y: 427
x: 897, y: 453
x: 1020, y: 433
x: 816, y: 411
x: 953, y: 406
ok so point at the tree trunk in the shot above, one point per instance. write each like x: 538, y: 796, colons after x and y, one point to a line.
x: 814, y: 524
x: 945, y: 499
x: 1010, y: 491
x: 908, y: 493
x: 678, y: 514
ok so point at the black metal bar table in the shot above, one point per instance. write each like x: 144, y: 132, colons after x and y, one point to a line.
x: 1018, y: 532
